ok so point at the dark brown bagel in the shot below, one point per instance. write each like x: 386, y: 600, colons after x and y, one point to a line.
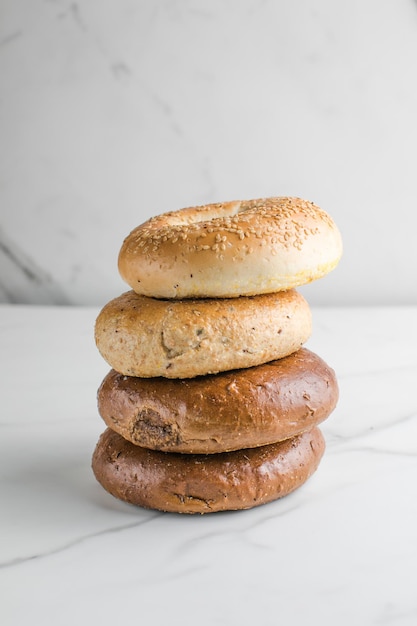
x: 209, y: 414
x: 184, y: 483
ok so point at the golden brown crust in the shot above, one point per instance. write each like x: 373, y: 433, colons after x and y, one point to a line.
x: 146, y: 337
x: 231, y: 249
x: 228, y: 411
x: 181, y: 483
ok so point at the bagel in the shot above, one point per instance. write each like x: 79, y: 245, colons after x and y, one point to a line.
x: 147, y: 337
x: 239, y: 409
x: 230, y: 249
x: 184, y: 483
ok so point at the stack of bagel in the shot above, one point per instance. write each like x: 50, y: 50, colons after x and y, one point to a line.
x: 212, y: 402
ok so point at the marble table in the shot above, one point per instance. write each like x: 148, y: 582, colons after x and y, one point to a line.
x: 340, y: 550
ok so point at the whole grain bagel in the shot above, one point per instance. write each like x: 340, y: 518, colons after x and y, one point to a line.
x: 185, y: 483
x: 147, y: 337
x: 230, y: 249
x: 209, y: 414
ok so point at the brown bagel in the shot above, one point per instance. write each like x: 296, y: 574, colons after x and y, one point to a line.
x: 228, y: 411
x: 181, y: 483
x: 230, y: 249
x: 146, y: 337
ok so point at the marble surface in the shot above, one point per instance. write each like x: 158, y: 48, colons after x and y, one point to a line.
x: 340, y: 550
x: 114, y: 111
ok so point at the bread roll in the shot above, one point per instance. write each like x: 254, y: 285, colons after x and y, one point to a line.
x: 184, y: 483
x: 209, y: 414
x: 146, y: 337
x: 230, y: 249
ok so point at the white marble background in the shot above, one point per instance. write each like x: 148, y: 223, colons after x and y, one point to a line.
x: 111, y: 111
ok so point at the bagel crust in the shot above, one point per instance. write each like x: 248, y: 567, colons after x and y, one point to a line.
x: 210, y: 414
x: 184, y: 483
x: 230, y: 249
x: 147, y: 337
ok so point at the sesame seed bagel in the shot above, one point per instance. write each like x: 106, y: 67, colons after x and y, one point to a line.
x: 184, y: 483
x: 230, y: 249
x: 148, y: 337
x: 243, y: 408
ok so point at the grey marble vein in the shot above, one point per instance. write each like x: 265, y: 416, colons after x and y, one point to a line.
x: 75, y: 542
x: 22, y: 280
x: 10, y: 38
